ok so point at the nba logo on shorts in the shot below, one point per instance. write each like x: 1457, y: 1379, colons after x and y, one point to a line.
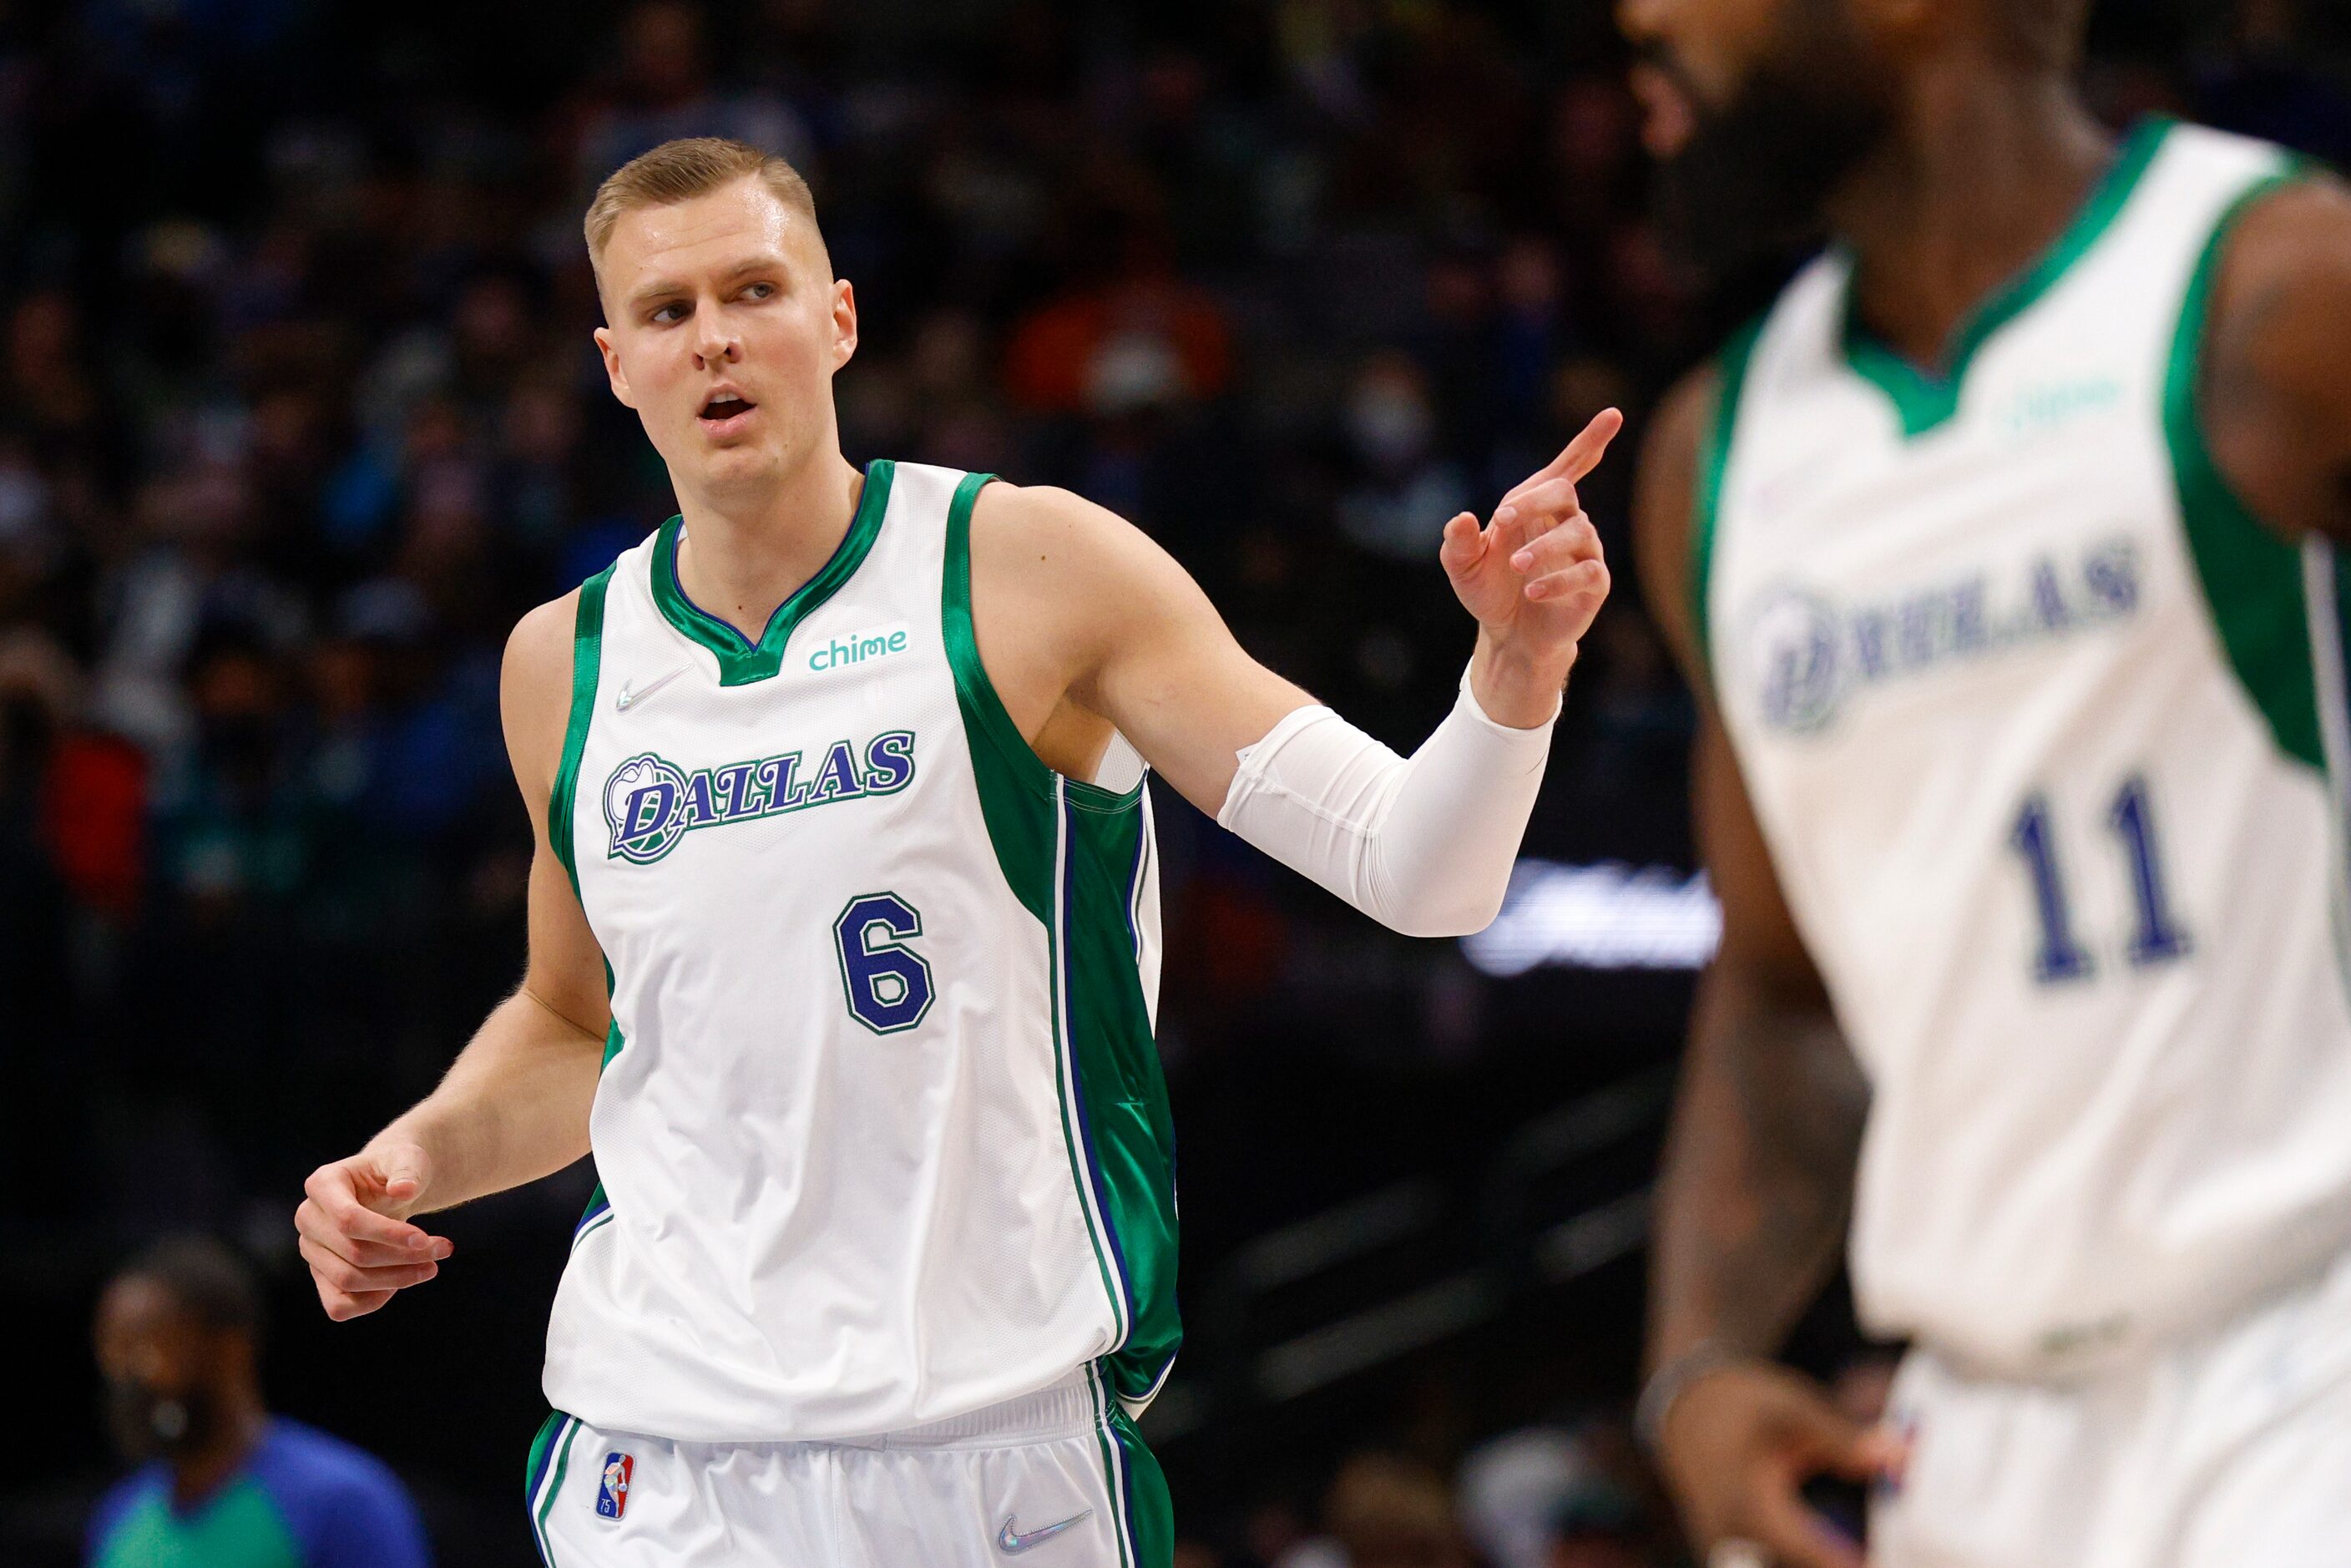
x: 612, y: 1496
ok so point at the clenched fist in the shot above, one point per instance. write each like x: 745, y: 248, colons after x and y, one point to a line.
x: 355, y: 1232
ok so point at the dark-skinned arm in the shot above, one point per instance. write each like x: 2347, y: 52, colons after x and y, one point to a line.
x: 1759, y: 1166
x: 2275, y: 397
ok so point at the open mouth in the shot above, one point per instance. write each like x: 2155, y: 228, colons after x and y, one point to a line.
x: 726, y: 407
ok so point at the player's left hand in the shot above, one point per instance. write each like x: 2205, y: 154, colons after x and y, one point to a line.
x: 1533, y: 576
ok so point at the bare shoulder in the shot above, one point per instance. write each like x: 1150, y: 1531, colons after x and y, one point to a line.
x: 1080, y: 566
x: 2295, y: 238
x: 1041, y: 527
x: 2283, y: 297
x: 534, y: 690
x: 2274, y: 402
x: 1665, y: 498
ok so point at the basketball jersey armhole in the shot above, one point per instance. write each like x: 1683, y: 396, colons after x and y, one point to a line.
x: 983, y: 709
x: 587, y: 656
x: 1019, y: 796
x: 2253, y: 581
x: 1713, y: 463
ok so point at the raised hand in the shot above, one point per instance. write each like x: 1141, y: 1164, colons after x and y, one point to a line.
x: 355, y: 1234
x: 1534, y: 578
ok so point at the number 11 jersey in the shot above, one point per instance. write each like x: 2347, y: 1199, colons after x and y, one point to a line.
x: 881, y: 1132
x: 2044, y: 733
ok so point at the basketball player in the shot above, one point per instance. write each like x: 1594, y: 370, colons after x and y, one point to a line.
x: 843, y: 940
x: 2000, y: 550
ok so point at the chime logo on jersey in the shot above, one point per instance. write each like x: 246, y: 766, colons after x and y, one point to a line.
x: 649, y: 803
x: 852, y: 649
x: 613, y: 1493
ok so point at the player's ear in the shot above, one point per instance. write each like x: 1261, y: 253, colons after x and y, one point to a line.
x: 844, y: 321
x: 612, y: 371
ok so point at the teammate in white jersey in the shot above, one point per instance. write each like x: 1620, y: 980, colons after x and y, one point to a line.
x: 843, y: 946
x: 1998, y: 549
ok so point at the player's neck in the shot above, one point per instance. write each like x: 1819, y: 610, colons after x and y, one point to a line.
x: 745, y: 552
x: 201, y: 1472
x: 1988, y: 166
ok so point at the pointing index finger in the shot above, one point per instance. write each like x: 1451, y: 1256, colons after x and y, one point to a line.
x: 1582, y: 455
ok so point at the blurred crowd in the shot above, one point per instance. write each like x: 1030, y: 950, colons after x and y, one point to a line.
x: 298, y: 412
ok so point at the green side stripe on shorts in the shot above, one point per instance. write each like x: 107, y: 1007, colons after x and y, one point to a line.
x: 1095, y: 1387
x: 536, y: 1468
x: 1150, y: 1511
x: 1142, y: 1513
x: 554, y: 1488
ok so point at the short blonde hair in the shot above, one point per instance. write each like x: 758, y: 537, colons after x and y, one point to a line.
x: 682, y: 169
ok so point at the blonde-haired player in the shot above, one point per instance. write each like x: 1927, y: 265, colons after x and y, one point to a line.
x: 843, y: 940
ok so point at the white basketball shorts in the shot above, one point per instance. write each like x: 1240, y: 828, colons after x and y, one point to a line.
x: 2229, y: 1450
x: 1052, y: 1480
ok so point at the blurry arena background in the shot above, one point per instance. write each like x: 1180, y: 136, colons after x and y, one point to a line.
x: 298, y: 412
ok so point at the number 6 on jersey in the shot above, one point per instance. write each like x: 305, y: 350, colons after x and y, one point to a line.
x: 886, y: 983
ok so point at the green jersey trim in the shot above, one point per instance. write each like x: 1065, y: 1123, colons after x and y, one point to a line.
x: 2252, y: 579
x: 599, y: 1212
x: 587, y: 657
x: 1926, y: 401
x: 1713, y: 463
x: 1014, y: 781
x: 1072, y: 853
x: 740, y: 660
x: 1022, y: 768
x: 1127, y: 1131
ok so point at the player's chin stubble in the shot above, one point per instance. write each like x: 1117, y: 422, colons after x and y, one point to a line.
x: 1754, y: 180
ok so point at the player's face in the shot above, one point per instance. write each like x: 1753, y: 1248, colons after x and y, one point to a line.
x: 1756, y: 109
x: 157, y: 1362
x: 143, y: 1336
x: 723, y: 328
x: 1697, y: 55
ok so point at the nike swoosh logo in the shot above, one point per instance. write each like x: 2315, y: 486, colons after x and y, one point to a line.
x: 1010, y: 1539
x: 632, y: 695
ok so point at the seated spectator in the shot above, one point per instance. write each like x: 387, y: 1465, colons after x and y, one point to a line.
x: 1383, y: 1511
x: 223, y: 1483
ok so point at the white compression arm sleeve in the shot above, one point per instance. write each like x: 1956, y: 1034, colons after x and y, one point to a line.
x: 1425, y: 846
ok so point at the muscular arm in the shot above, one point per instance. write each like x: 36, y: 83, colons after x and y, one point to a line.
x: 2275, y: 393
x: 1059, y: 586
x: 514, y: 1106
x: 1087, y: 627
x: 1759, y: 1166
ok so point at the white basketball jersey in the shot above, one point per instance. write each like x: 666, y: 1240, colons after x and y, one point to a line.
x: 881, y: 1133
x: 2045, y: 734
